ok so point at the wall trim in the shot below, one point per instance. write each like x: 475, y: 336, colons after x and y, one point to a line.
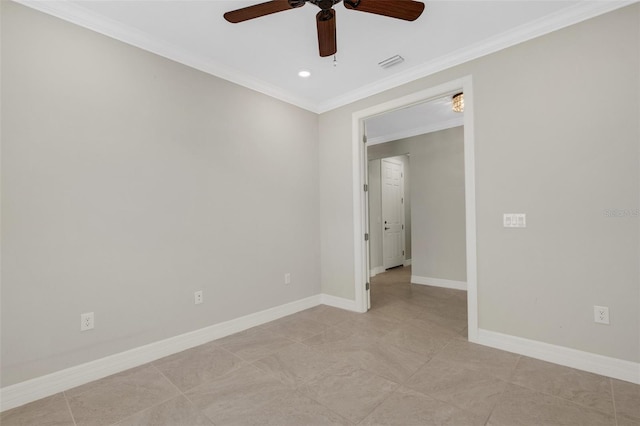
x: 439, y: 282
x: 594, y: 363
x: 338, y: 302
x: 407, y: 262
x: 85, y: 18
x: 43, y: 386
x: 376, y: 270
x: 415, y: 131
x: 78, y: 15
x: 544, y: 25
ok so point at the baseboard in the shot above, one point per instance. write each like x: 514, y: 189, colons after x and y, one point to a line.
x: 407, y: 262
x: 376, y: 270
x: 594, y: 363
x: 40, y: 387
x: 338, y: 302
x: 439, y: 282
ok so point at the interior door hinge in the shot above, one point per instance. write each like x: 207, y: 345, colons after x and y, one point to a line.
x: 366, y: 236
x: 402, y: 200
x: 402, y: 226
x: 364, y: 138
x: 403, y: 252
x: 366, y: 187
x: 367, y: 286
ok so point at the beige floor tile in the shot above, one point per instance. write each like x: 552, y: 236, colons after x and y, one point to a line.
x: 327, y: 315
x: 467, y: 389
x: 296, y: 327
x: 50, y: 411
x: 396, y: 310
x: 522, y: 406
x: 627, y: 399
x: 176, y: 411
x: 420, y: 337
x: 349, y: 391
x: 295, y: 364
x: 452, y: 317
x: 253, y: 344
x: 581, y: 387
x: 627, y: 421
x: 388, y: 361
x: 116, y: 397
x: 406, y: 362
x: 190, y: 368
x: 369, y: 325
x: 406, y: 407
x: 227, y: 398
x: 289, y: 409
x: 339, y: 343
x: 474, y: 357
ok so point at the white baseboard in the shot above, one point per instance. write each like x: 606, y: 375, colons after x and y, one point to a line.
x: 40, y: 387
x: 338, y: 302
x: 594, y: 363
x: 407, y: 262
x: 376, y: 270
x: 439, y: 282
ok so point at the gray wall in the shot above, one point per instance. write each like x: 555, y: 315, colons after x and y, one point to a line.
x: 438, y: 207
x: 130, y: 181
x: 434, y: 202
x: 554, y: 139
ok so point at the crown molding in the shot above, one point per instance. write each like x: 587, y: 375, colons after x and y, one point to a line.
x: 415, y: 131
x: 82, y: 17
x: 561, y: 19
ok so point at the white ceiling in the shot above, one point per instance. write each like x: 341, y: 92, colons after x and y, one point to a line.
x: 425, y: 117
x: 266, y: 54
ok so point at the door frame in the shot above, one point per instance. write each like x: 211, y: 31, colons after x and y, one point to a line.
x: 382, y: 225
x: 360, y: 209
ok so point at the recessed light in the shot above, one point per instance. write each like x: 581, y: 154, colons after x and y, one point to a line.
x: 304, y: 74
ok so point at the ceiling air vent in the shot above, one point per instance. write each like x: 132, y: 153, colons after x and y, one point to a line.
x: 389, y: 62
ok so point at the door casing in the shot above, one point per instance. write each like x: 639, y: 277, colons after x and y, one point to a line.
x: 360, y: 199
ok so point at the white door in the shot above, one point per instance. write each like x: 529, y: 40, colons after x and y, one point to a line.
x: 392, y: 213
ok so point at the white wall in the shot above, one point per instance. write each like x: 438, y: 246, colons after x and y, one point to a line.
x: 130, y: 181
x: 555, y: 138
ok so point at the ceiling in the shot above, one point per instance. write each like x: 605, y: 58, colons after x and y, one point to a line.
x: 418, y: 119
x: 265, y: 54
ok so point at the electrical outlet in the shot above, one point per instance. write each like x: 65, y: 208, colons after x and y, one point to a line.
x: 86, y: 321
x: 287, y: 278
x: 198, y: 297
x: 601, y: 314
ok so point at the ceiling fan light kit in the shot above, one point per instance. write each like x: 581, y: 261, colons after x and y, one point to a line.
x: 408, y: 10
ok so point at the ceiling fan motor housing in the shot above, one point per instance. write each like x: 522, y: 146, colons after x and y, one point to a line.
x: 325, y: 4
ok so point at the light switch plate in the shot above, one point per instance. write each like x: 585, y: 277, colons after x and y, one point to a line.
x: 514, y: 220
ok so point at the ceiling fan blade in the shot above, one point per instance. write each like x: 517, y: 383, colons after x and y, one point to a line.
x: 326, y: 20
x: 408, y: 10
x: 258, y: 10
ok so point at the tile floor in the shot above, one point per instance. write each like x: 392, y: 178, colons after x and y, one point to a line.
x: 406, y: 362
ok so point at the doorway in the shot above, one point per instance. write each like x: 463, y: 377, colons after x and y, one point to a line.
x: 392, y: 203
x: 361, y: 216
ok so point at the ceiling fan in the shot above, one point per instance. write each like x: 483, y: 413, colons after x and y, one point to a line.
x: 408, y: 10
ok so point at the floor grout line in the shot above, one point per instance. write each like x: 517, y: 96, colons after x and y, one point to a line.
x: 73, y: 419
x: 613, y: 399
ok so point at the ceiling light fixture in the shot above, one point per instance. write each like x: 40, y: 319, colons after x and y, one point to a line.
x: 457, y: 104
x: 304, y: 74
